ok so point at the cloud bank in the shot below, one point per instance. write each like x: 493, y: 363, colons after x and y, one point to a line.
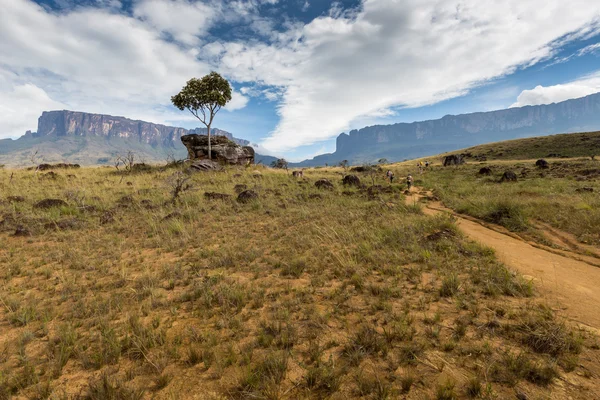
x: 554, y: 94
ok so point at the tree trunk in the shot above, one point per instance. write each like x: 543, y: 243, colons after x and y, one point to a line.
x: 209, y: 147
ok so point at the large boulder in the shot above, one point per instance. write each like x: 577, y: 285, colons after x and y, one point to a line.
x: 351, y: 180
x: 453, y: 159
x: 205, y: 165
x: 324, y: 184
x: 509, y: 176
x: 541, y: 163
x: 223, y: 150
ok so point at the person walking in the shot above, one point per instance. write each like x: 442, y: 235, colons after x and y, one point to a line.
x: 409, y: 181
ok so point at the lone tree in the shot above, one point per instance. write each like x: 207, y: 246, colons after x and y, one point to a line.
x: 204, y: 98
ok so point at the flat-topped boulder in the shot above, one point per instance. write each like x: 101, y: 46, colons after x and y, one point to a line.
x: 223, y: 150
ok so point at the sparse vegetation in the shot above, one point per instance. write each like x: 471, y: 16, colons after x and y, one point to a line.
x: 348, y: 294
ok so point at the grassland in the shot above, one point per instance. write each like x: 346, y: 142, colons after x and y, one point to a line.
x: 564, y: 196
x: 123, y: 293
x: 568, y: 145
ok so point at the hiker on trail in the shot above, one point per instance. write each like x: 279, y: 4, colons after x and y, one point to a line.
x: 390, y: 176
x: 426, y: 164
x: 409, y: 181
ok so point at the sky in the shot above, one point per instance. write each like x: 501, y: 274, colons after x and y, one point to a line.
x: 302, y: 71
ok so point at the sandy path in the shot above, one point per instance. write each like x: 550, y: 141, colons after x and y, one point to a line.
x: 569, y: 285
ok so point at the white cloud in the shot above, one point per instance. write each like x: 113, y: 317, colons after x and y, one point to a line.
x: 554, y: 94
x: 91, y: 60
x: 183, y: 19
x: 22, y: 105
x: 409, y: 53
x: 238, y: 101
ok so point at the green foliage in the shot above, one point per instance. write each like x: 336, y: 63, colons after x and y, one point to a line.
x: 201, y: 95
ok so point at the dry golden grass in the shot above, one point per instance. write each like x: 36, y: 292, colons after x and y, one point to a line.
x: 304, y: 293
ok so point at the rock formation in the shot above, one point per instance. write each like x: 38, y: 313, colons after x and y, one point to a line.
x: 222, y: 149
x: 453, y: 159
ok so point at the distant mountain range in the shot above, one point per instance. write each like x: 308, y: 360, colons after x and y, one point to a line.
x: 402, y: 141
x: 92, y: 139
x: 89, y: 139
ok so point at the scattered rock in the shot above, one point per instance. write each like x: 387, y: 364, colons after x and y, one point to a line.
x: 45, y: 167
x: 509, y: 176
x: 453, y: 159
x: 324, y: 184
x: 541, y: 163
x: 585, y: 189
x: 125, y: 201
x: 64, y: 224
x: 21, y: 231
x: 141, y: 167
x: 247, y: 196
x: 485, y: 171
x: 15, y: 199
x: 147, y: 204
x: 174, y: 214
x: 129, y: 183
x: 205, y: 165
x: 217, y: 196
x: 49, y: 175
x: 240, y: 188
x: 49, y: 203
x: 351, y: 180
x: 222, y: 149
x: 366, y: 168
x: 107, y: 217
x: 443, y: 234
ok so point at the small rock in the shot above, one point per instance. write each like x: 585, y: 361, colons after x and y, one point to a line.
x: 107, y: 217
x: 21, y: 231
x: 49, y: 203
x: 205, y: 165
x: 541, y: 163
x: 247, y: 196
x: 324, y: 184
x: 15, y: 199
x: 216, y: 196
x: 509, y: 176
x: 485, y: 171
x: 174, y: 214
x: 69, y: 223
x: 240, y: 188
x: 351, y: 180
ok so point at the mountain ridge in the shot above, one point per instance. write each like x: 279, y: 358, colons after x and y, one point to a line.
x: 92, y: 139
x: 405, y: 140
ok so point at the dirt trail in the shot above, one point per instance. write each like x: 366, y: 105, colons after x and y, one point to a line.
x: 569, y: 285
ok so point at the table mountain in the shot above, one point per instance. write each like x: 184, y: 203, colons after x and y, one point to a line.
x: 419, y: 139
x: 88, y: 139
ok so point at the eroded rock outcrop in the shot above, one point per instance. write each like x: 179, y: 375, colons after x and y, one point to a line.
x: 223, y: 150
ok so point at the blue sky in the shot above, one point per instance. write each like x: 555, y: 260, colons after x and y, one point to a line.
x: 303, y: 71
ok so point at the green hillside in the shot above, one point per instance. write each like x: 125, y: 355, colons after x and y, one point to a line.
x: 567, y: 145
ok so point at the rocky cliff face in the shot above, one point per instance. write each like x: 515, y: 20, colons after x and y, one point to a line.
x: 73, y: 123
x: 409, y: 140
